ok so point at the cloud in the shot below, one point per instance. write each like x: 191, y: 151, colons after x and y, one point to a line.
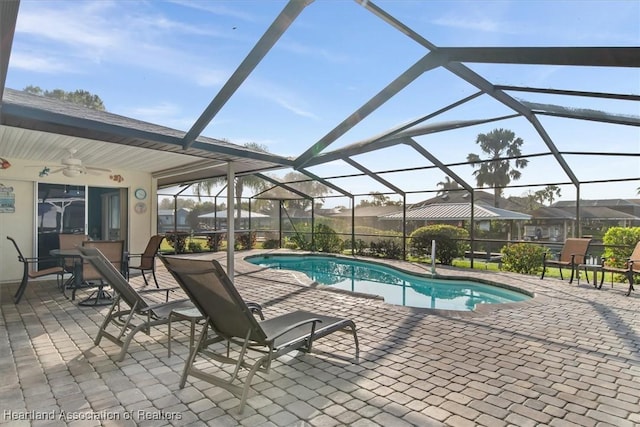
x: 485, y: 25
x: 74, y: 37
x: 314, y: 52
x: 167, y: 113
x: 30, y: 62
x: 216, y: 8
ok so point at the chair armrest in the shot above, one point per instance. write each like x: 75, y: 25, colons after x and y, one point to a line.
x: 42, y: 259
x: 144, y: 291
x: 255, y: 308
x: 288, y: 328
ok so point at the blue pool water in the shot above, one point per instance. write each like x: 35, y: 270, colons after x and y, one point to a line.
x: 394, y: 286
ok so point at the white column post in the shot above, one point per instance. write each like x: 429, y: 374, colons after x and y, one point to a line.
x: 230, y: 221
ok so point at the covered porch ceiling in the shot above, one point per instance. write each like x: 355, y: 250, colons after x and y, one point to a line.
x: 41, y: 129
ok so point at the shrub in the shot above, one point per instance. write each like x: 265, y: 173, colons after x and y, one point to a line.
x: 214, y: 241
x: 326, y: 239
x: 298, y: 241
x: 619, y: 243
x: 290, y: 244
x: 525, y: 258
x: 388, y: 248
x: 271, y: 244
x: 450, y: 241
x: 194, y: 246
x: 177, y: 241
x: 247, y: 240
x: 360, y: 247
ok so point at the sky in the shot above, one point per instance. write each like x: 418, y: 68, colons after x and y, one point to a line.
x: 164, y: 61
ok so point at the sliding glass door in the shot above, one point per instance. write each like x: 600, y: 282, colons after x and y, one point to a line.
x: 77, y: 209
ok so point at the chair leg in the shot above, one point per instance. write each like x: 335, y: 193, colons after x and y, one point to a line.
x: 145, y: 278
x: 23, y: 285
x: 631, y: 288
x: 155, y: 279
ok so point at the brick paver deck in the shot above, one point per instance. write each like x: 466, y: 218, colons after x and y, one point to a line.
x: 571, y: 356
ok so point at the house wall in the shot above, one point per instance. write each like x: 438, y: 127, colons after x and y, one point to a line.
x: 23, y: 177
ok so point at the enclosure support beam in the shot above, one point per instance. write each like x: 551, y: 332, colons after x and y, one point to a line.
x: 259, y: 51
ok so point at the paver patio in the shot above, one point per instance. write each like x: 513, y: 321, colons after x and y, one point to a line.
x: 571, y: 356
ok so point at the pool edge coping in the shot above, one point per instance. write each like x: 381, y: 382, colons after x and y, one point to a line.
x: 479, y: 311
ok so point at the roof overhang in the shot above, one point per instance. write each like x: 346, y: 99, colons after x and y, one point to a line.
x: 33, y: 127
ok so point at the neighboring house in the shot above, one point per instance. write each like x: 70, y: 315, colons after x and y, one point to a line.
x: 555, y: 223
x: 218, y: 220
x: 459, y: 214
x: 165, y: 220
x: 483, y: 198
x: 627, y: 206
x: 368, y: 216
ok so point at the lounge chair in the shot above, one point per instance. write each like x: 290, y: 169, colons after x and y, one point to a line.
x: 573, y: 254
x: 147, y: 259
x: 630, y: 269
x: 145, y: 312
x: 228, y: 316
x: 29, y: 273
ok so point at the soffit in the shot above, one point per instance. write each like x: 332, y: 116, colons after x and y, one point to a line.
x: 42, y: 130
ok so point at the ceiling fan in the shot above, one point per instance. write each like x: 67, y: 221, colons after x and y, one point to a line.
x: 72, y: 167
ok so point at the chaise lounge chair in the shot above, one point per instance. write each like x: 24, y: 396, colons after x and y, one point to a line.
x: 630, y: 269
x: 145, y: 312
x: 573, y: 253
x: 228, y: 316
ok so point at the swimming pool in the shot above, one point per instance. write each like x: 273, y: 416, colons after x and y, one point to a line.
x: 394, y: 286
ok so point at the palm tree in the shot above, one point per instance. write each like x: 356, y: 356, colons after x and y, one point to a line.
x: 550, y: 192
x: 497, y: 172
x: 447, y: 185
x: 250, y: 181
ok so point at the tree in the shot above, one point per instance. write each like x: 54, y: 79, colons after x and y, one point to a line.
x: 447, y: 185
x: 498, y: 172
x: 530, y: 199
x: 166, y: 203
x: 309, y: 187
x: 249, y: 181
x: 378, y: 199
x: 79, y: 96
x: 550, y: 192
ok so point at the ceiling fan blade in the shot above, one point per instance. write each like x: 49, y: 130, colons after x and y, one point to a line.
x: 94, y: 168
x: 57, y: 170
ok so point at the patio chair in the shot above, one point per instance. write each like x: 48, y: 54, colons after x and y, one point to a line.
x: 113, y: 251
x: 29, y: 273
x: 144, y: 311
x: 147, y: 259
x: 572, y: 254
x: 630, y: 269
x: 70, y: 241
x: 227, y: 315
